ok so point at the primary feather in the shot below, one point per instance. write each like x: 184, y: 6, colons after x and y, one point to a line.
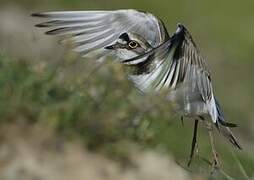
x: 91, y: 31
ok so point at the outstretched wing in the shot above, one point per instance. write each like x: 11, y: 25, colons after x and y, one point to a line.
x: 178, y: 66
x: 174, y: 62
x: 91, y: 31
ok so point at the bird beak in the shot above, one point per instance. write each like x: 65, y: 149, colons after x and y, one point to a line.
x: 111, y: 47
x: 117, y: 45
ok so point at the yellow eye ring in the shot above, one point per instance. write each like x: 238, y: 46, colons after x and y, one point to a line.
x: 133, y: 44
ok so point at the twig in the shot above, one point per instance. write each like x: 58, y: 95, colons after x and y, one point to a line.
x: 219, y: 169
x: 225, y: 174
x: 240, y: 166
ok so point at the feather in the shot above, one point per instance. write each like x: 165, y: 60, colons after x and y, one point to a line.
x: 84, y: 28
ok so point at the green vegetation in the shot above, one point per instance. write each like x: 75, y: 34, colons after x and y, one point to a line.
x: 105, y: 112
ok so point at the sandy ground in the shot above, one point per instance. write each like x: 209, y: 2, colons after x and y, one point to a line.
x: 32, y: 154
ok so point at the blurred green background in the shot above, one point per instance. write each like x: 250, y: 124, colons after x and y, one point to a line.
x: 43, y: 84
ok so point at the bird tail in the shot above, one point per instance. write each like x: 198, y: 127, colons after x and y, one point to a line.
x: 224, y: 129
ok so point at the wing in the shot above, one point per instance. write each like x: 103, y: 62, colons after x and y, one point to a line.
x: 175, y: 62
x: 178, y: 66
x: 91, y: 31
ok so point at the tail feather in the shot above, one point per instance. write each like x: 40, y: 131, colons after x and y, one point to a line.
x: 230, y: 136
x: 225, y: 127
x: 227, y: 124
x: 221, y: 119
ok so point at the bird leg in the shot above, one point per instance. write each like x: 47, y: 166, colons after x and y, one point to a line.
x: 194, y: 142
x: 215, y: 162
x: 182, y: 120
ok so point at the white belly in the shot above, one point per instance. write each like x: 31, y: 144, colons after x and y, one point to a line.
x: 188, y: 104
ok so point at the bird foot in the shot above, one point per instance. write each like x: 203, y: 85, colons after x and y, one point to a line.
x: 215, y: 164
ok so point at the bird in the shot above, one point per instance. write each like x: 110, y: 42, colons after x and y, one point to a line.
x: 156, y: 61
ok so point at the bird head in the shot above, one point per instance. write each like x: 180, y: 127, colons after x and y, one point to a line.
x: 129, y: 45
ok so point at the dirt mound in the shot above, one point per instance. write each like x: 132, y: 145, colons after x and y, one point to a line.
x: 33, y: 153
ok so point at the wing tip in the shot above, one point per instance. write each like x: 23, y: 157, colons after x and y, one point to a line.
x: 228, y: 124
x: 39, y: 14
x: 52, y: 32
x: 41, y: 25
x: 235, y: 142
x: 48, y: 24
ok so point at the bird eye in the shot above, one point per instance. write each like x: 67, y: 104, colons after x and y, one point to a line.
x: 133, y: 44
